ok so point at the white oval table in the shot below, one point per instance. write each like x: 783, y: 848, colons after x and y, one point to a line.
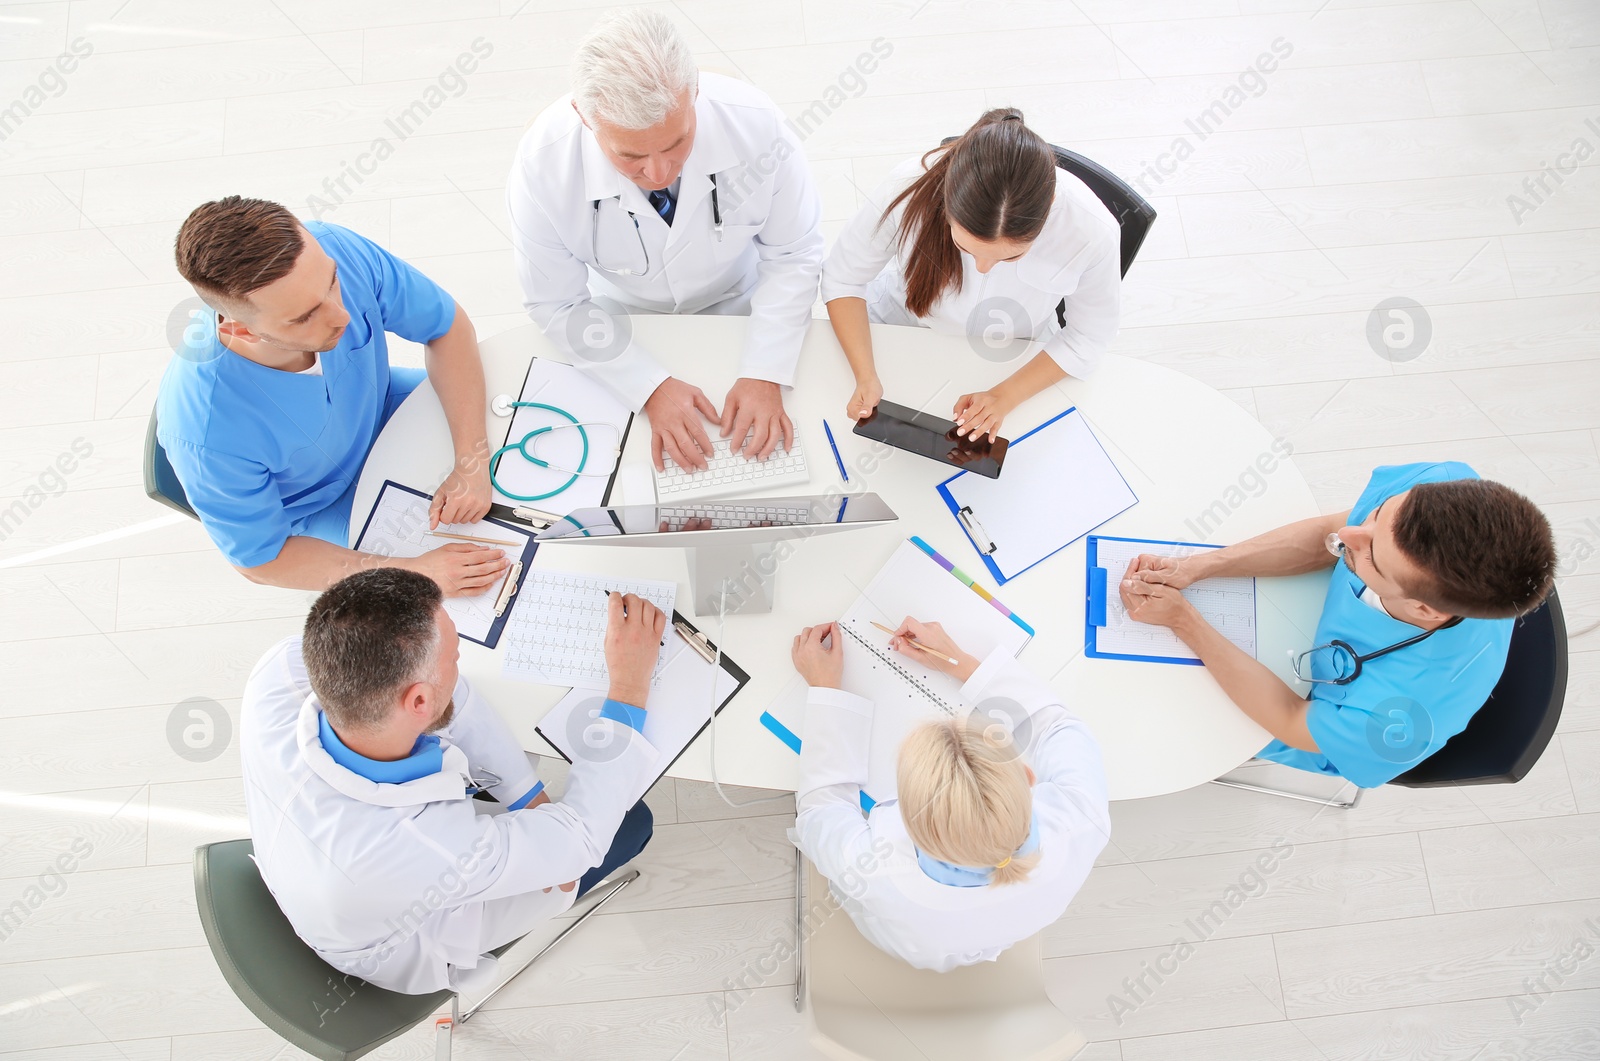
x: 1183, y: 448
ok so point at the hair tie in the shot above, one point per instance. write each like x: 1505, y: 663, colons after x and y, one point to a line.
x: 1012, y: 118
x: 1003, y: 863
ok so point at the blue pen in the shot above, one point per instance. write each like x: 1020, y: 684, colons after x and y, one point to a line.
x: 836, y: 458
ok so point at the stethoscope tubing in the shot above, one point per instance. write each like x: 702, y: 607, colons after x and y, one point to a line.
x: 594, y: 231
x: 528, y: 445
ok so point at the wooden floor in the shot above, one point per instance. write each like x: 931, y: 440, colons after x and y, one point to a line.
x: 1378, y: 159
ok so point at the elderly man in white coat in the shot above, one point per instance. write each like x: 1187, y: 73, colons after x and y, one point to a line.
x: 665, y: 190
x: 363, y: 749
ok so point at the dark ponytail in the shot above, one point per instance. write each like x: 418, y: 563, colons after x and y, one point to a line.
x: 997, y: 181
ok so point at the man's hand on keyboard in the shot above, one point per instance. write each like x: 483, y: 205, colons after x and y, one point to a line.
x: 675, y: 410
x: 633, y: 639
x: 754, y: 408
x: 460, y: 568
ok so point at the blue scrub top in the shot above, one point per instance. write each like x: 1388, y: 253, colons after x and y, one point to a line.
x: 264, y: 454
x: 1403, y: 706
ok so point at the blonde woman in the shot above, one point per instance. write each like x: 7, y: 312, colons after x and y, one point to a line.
x: 988, y: 837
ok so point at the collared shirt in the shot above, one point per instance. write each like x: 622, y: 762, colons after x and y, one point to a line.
x: 261, y: 451
x: 426, y: 757
x: 973, y: 876
x: 1404, y: 706
x: 1077, y: 257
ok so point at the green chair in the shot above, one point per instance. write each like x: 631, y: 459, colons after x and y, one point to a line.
x: 160, y: 480
x: 327, y: 1013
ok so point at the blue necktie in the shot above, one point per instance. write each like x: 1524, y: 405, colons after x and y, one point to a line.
x: 664, y: 204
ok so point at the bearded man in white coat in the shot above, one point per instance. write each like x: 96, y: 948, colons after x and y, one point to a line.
x: 363, y: 750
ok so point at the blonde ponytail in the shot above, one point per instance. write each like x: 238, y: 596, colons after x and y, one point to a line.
x: 965, y: 798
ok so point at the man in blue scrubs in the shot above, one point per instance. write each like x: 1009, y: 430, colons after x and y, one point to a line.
x: 268, y: 413
x: 1436, y: 565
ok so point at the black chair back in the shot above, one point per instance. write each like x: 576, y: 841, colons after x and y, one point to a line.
x: 1133, y: 214
x: 1514, y: 726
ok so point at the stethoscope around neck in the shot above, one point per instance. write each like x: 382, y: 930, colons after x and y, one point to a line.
x: 644, y: 251
x: 503, y: 405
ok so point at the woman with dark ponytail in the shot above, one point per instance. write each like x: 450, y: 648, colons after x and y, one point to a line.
x: 983, y: 237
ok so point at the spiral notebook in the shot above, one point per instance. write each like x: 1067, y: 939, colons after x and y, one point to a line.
x: 920, y: 583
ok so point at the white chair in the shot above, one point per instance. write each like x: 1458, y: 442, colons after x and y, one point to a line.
x: 865, y: 1005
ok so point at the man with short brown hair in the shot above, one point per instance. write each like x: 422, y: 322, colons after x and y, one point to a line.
x: 1436, y: 564
x: 363, y: 746
x: 268, y: 413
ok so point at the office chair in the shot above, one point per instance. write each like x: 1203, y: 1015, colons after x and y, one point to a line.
x: 864, y: 1003
x: 329, y: 1014
x: 1509, y: 732
x: 1133, y: 215
x: 160, y: 481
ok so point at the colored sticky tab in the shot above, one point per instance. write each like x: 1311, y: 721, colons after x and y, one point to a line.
x: 782, y: 732
x: 1097, y: 596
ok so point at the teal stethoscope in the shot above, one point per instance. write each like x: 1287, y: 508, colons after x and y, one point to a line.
x: 528, y: 446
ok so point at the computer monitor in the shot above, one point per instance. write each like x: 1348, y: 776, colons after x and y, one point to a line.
x: 733, y: 544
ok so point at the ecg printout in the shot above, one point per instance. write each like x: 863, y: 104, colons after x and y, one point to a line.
x: 556, y: 634
x: 398, y: 526
x: 1228, y: 604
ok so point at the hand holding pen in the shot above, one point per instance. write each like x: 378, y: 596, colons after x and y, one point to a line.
x: 928, y: 644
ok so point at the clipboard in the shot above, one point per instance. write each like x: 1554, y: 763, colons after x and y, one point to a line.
x: 569, y: 389
x: 1224, y: 602
x: 693, y: 649
x: 1030, y: 513
x: 487, y: 611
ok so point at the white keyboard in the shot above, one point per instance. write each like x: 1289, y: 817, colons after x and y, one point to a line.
x: 729, y: 514
x: 556, y: 634
x: 729, y: 473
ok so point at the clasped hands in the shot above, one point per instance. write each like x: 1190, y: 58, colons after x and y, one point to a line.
x: 1152, y: 590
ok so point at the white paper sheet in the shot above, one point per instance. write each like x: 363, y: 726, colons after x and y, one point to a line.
x: 688, y: 690
x: 604, y: 417
x: 399, y: 527
x: 1228, y: 604
x: 1057, y: 485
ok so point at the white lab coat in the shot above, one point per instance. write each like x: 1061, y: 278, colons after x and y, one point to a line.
x: 399, y: 884
x: 766, y: 262
x: 871, y: 863
x: 1077, y: 256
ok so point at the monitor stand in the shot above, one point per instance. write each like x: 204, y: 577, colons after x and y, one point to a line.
x: 732, y: 579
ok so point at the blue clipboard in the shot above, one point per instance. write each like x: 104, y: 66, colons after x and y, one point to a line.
x: 519, y: 570
x: 968, y: 521
x: 1097, y: 587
